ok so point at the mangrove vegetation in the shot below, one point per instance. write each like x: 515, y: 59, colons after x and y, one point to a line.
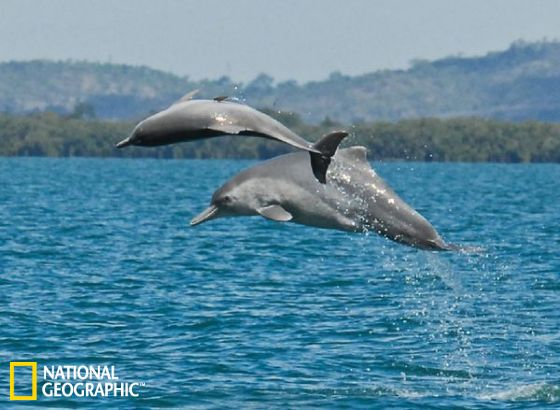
x: 427, y: 139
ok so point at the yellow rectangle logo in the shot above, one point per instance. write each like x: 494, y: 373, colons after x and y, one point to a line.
x: 33, y: 366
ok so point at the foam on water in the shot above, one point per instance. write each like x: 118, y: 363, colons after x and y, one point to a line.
x: 531, y: 392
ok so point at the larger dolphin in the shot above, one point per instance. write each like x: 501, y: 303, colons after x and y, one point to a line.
x: 189, y: 120
x: 356, y: 199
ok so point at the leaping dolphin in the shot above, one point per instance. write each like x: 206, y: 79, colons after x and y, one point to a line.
x: 355, y: 199
x: 189, y: 120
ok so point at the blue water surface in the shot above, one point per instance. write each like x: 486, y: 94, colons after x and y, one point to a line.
x: 99, y: 266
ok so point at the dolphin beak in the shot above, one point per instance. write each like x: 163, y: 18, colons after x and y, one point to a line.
x: 206, y: 215
x: 127, y: 141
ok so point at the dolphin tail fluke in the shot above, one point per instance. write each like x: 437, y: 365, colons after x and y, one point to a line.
x: 327, y: 146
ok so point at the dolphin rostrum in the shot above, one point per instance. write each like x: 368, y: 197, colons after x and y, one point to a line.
x: 189, y: 120
x: 356, y: 199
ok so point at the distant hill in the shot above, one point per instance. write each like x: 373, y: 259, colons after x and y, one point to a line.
x: 520, y: 83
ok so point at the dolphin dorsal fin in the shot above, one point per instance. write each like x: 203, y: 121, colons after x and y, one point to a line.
x: 187, y: 97
x: 357, y: 154
x: 220, y: 98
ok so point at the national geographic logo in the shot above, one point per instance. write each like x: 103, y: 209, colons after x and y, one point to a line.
x: 22, y: 366
x: 68, y: 381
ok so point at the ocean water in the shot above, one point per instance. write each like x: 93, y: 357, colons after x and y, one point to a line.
x: 98, y: 266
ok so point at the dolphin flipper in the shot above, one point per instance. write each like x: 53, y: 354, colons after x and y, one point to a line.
x: 327, y: 145
x: 275, y: 213
x: 231, y: 129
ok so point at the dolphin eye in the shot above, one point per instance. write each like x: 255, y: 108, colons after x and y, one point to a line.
x: 224, y: 200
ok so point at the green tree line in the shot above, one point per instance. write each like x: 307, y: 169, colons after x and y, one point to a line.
x: 428, y: 139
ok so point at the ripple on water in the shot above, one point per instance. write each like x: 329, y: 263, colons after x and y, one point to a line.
x: 251, y: 313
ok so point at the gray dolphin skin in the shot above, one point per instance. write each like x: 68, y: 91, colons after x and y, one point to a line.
x: 355, y: 199
x: 189, y: 120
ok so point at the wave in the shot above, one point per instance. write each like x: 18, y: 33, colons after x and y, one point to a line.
x: 526, y: 392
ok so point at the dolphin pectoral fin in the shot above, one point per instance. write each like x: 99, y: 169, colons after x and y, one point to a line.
x: 327, y: 147
x: 229, y: 129
x: 275, y: 213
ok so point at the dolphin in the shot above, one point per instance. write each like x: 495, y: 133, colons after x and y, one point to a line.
x: 189, y: 120
x: 355, y: 199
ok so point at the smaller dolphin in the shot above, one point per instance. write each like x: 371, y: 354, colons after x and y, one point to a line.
x: 189, y: 120
x: 356, y: 199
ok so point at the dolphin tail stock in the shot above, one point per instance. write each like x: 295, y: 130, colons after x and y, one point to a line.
x: 461, y: 248
x: 327, y: 147
x: 440, y: 245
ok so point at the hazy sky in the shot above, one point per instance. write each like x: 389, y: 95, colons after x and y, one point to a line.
x: 288, y: 39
